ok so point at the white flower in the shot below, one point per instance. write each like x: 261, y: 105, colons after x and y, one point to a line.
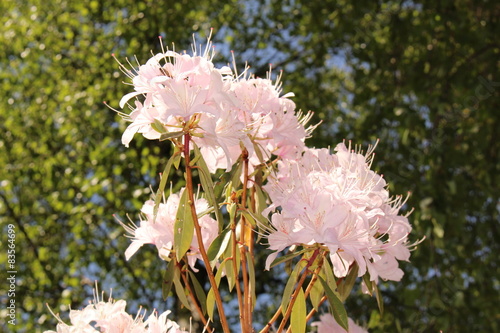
x: 111, y: 317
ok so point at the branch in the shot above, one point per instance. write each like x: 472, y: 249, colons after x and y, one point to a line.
x: 203, y: 252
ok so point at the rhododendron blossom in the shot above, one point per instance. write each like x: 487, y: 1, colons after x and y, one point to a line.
x: 222, y: 111
x: 110, y: 316
x: 336, y: 200
x: 270, y: 119
x: 160, y: 231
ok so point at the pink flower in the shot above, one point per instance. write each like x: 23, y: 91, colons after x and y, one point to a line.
x: 233, y: 112
x: 337, y: 201
x: 328, y: 324
x: 160, y: 232
x: 270, y: 119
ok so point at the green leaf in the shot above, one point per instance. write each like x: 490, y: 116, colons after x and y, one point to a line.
x: 199, y: 291
x: 368, y: 283
x: 236, y: 174
x: 290, y: 286
x: 380, y: 301
x: 171, y: 135
x: 248, y: 216
x: 178, y: 157
x: 287, y: 257
x: 183, y: 227
x: 346, y: 286
x: 221, y: 184
x: 179, y: 289
x: 230, y: 275
x: 336, y: 305
x: 316, y: 294
x: 168, y: 279
x: 231, y: 208
x: 211, y: 296
x: 258, y: 152
x: 163, y: 183
x: 299, y: 313
x: 158, y: 126
x: 330, y: 278
x: 208, y: 185
x: 251, y: 276
x: 261, y: 200
x: 218, y: 246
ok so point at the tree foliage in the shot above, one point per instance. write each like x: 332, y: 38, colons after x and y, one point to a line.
x: 423, y: 77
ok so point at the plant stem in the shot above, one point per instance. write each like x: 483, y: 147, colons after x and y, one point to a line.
x: 235, y: 269
x: 313, y: 311
x: 271, y: 321
x: 309, y: 288
x: 246, y: 239
x: 195, y: 302
x: 314, y: 278
x: 203, y: 252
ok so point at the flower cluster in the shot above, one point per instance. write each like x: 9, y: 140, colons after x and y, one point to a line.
x: 160, y: 231
x: 335, y: 200
x: 222, y: 111
x: 110, y: 316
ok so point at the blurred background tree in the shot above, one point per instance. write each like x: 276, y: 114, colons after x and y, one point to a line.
x: 423, y: 77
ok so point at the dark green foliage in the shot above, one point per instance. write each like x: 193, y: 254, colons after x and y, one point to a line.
x: 422, y: 76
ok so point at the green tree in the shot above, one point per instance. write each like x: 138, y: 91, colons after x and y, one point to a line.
x: 423, y: 77
x: 64, y: 172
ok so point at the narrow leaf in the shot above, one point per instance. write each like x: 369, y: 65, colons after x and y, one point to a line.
x: 251, y: 275
x: 211, y: 295
x: 346, y: 286
x: 236, y: 174
x: 258, y: 152
x: 316, y: 295
x: 248, y: 216
x: 158, y: 126
x: 171, y: 135
x: 237, y: 255
x: 163, y: 182
x: 230, y: 275
x: 168, y: 279
x: 221, y: 184
x: 298, y: 317
x: 199, y: 291
x: 177, y: 158
x: 380, y: 301
x: 261, y: 202
x: 218, y: 246
x: 336, y: 305
x: 290, y: 286
x: 179, y: 289
x: 287, y: 257
x: 330, y: 278
x: 208, y: 185
x: 183, y: 227
x: 368, y: 283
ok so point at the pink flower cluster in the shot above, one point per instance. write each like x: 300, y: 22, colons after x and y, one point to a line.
x: 111, y: 316
x: 221, y: 110
x: 336, y: 200
x: 160, y: 232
